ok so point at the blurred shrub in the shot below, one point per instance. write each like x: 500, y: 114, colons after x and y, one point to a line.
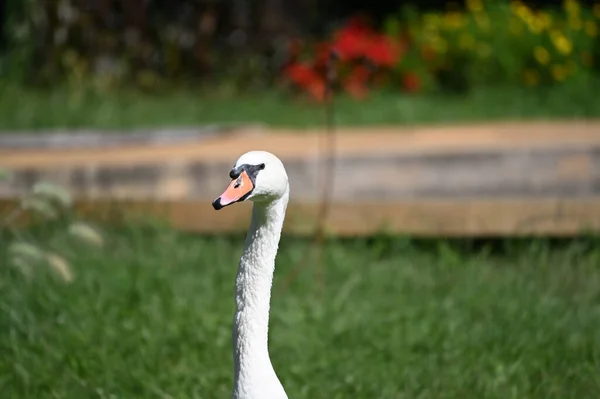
x: 150, y: 44
x: 140, y: 43
x: 487, y: 43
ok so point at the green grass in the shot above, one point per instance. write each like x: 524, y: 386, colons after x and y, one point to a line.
x: 28, y: 109
x: 150, y: 317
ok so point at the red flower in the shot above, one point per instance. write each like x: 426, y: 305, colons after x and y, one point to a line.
x: 411, y: 82
x: 301, y: 74
x: 355, y: 83
x: 305, y: 77
x: 383, y: 51
x: 360, y: 73
x: 322, y: 51
x: 352, y: 40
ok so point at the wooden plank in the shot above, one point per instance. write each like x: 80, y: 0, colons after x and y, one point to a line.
x: 548, y: 217
x: 571, y: 171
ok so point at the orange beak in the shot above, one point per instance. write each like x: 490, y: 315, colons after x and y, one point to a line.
x: 237, y: 191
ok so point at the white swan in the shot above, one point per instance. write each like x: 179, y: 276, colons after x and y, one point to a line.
x: 258, y: 176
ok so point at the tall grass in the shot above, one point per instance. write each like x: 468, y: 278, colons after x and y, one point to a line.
x: 150, y: 317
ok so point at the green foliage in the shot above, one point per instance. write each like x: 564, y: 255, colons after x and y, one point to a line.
x: 151, y: 317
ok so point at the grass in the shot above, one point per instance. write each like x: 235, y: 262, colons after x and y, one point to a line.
x: 29, y: 109
x: 150, y: 317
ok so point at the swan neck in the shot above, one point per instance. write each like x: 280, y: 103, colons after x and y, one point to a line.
x: 252, y: 295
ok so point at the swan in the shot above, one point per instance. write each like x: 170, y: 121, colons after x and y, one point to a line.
x: 260, y: 177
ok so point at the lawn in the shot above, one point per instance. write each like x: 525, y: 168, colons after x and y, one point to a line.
x: 29, y: 109
x: 150, y: 317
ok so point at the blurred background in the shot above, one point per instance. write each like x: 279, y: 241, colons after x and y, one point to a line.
x: 441, y: 239
x: 88, y: 51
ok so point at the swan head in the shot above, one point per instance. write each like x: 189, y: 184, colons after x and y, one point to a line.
x: 258, y: 176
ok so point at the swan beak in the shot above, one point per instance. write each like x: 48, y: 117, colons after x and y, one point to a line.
x: 238, y: 190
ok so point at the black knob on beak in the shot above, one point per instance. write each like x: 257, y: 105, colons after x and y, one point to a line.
x: 217, y: 204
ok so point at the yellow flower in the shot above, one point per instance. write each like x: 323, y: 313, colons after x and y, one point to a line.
x: 534, y: 25
x: 541, y: 55
x: 587, y: 59
x: 454, y: 20
x: 439, y: 44
x: 523, y: 12
x: 571, y: 6
x: 482, y: 21
x: 474, y: 5
x: 575, y: 23
x: 559, y: 72
x: 514, y: 4
x: 531, y: 77
x: 515, y: 27
x: 562, y: 44
x: 545, y: 20
x: 519, y: 8
x: 466, y: 41
x: 432, y: 21
x: 591, y: 29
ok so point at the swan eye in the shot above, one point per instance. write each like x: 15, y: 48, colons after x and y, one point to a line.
x: 238, y: 182
x: 261, y: 166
